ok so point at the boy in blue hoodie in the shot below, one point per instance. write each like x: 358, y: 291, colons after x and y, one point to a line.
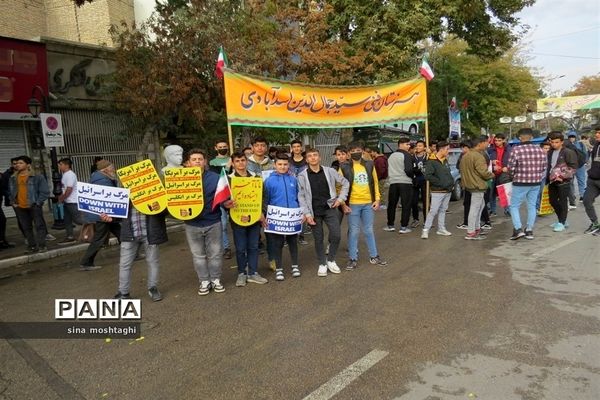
x: 281, y: 190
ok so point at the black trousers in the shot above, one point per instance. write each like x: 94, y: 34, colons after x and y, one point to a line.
x: 418, y: 193
x: 332, y: 220
x: 2, y: 225
x: 102, y: 230
x: 404, y: 193
x: 30, y: 219
x: 559, y: 199
x: 275, y: 244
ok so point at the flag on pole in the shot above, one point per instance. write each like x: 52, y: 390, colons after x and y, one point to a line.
x: 223, y: 192
x: 426, y: 70
x: 453, y: 103
x: 222, y: 63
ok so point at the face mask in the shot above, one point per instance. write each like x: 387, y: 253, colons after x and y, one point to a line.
x: 356, y: 156
x: 222, y: 151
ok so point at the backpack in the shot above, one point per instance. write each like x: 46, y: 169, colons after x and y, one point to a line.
x: 581, y: 156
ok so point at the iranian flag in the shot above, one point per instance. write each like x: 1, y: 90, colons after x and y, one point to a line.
x: 221, y: 63
x: 426, y: 70
x: 223, y: 192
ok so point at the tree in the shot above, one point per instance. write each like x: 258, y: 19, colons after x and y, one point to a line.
x: 586, y: 85
x: 496, y: 88
x: 165, y: 69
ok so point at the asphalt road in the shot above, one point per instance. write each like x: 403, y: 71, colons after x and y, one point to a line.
x: 446, y: 319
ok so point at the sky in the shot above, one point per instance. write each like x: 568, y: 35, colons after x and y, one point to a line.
x: 560, y: 32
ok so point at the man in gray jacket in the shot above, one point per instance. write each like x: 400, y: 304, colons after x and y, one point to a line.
x: 318, y: 199
x: 401, y: 170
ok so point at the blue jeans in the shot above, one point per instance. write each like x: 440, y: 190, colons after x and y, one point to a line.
x: 206, y: 246
x: 224, y: 221
x: 245, y: 239
x: 581, y: 176
x: 129, y: 251
x: 362, y: 214
x: 520, y: 193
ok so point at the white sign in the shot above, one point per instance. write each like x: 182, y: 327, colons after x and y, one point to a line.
x: 98, y: 199
x: 284, y: 221
x: 52, y: 130
x: 537, y: 116
x: 505, y: 120
x: 520, y: 118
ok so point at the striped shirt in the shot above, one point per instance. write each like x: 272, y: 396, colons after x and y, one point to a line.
x: 527, y: 164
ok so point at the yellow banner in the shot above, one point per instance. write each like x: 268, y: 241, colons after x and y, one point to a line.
x: 185, y: 199
x: 256, y: 101
x: 247, y: 195
x: 147, y: 193
x: 568, y: 103
x: 545, y: 207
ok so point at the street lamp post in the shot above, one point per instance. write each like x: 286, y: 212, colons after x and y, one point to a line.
x: 35, y: 108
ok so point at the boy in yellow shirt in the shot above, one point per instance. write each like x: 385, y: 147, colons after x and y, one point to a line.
x: 364, y: 199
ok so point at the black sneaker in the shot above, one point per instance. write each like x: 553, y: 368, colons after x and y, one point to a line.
x: 377, y: 261
x: 594, y: 227
x: 529, y: 235
x: 517, y: 234
x: 352, y: 265
x: 302, y: 241
x: 66, y: 241
x: 154, y: 294
x: 89, y: 267
x: 31, y: 250
x: 227, y: 253
x: 6, y: 245
x: 43, y: 249
x: 120, y: 295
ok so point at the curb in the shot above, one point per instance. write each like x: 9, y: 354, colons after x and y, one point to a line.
x: 77, y: 248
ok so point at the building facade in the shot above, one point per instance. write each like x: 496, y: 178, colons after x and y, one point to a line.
x: 62, y: 19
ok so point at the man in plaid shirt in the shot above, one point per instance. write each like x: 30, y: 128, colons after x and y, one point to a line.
x: 526, y: 166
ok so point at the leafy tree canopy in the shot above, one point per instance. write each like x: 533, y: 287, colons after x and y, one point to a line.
x: 166, y: 67
x: 586, y: 85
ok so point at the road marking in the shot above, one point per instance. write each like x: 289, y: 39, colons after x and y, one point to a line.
x: 344, y: 378
x: 549, y: 250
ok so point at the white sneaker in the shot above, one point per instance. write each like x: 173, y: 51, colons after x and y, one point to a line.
x: 389, y: 228
x: 425, y: 234
x: 333, y: 267
x: 295, y: 271
x: 444, y: 232
x: 50, y: 237
x: 572, y: 207
x: 322, y: 270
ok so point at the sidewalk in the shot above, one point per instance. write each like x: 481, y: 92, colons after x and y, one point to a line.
x: 16, y: 256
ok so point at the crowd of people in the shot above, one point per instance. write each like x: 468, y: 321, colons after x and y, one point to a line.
x: 416, y: 177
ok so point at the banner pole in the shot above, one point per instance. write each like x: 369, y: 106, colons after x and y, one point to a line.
x: 426, y: 211
x: 230, y: 134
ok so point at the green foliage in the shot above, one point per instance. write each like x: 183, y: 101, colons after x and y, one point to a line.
x: 166, y: 67
x: 501, y: 87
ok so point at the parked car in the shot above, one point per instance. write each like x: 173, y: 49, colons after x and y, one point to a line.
x: 453, y: 156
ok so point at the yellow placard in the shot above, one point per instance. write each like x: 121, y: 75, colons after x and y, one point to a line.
x: 568, y: 103
x: 147, y: 193
x: 247, y: 195
x: 185, y: 199
x: 259, y: 101
x: 545, y: 207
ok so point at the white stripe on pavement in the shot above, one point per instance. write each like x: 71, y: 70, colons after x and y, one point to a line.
x: 344, y: 378
x: 552, y: 249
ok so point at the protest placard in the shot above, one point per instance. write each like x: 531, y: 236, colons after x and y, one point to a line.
x: 284, y: 221
x: 148, y: 194
x: 98, y: 199
x: 247, y: 195
x: 185, y: 199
